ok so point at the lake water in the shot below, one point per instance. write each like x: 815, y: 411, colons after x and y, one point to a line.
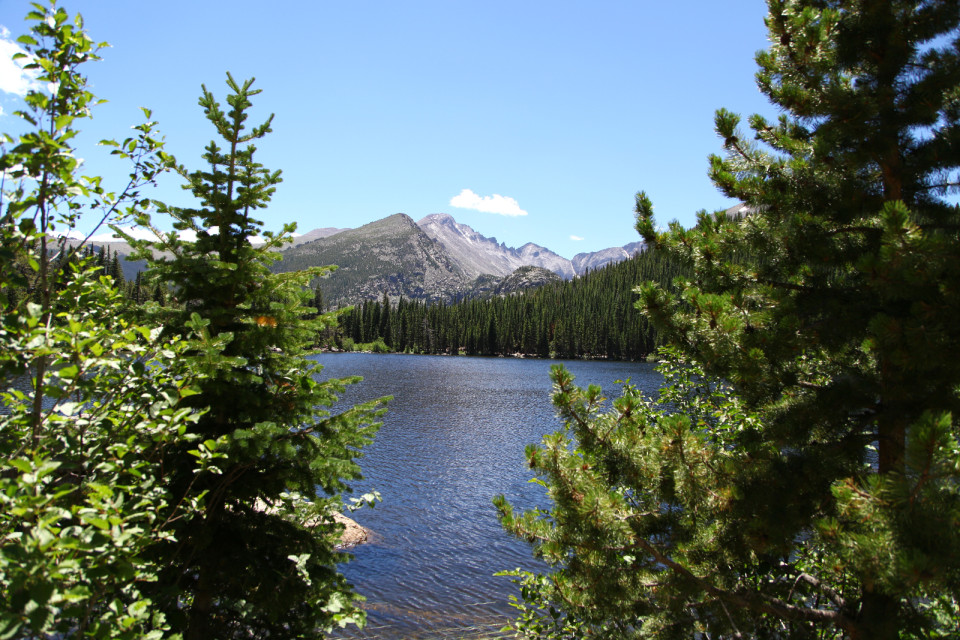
x: 453, y: 438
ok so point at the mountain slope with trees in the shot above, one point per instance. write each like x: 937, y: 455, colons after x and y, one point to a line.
x: 397, y: 257
x: 593, y: 316
x: 392, y: 256
x: 464, y: 265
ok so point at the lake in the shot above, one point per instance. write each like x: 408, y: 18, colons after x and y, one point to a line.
x: 452, y: 439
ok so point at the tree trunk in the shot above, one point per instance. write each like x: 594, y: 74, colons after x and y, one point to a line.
x: 878, y: 618
x: 202, y: 606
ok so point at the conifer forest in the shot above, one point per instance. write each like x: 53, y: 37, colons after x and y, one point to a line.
x: 594, y: 316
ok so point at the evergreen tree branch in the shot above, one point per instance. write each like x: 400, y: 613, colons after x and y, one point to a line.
x: 761, y: 604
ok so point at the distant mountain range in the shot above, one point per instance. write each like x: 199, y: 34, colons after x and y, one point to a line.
x: 477, y: 254
x: 107, y: 240
x: 434, y: 259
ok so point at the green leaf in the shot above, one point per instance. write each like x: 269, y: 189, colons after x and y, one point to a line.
x: 69, y: 371
x: 21, y: 465
x: 95, y: 520
x: 76, y: 593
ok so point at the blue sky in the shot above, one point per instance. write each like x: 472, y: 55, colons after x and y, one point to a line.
x: 557, y: 112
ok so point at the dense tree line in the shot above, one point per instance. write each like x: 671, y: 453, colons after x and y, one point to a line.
x: 64, y: 258
x: 593, y: 316
x: 140, y: 290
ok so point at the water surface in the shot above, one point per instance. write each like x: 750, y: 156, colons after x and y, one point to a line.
x: 453, y: 438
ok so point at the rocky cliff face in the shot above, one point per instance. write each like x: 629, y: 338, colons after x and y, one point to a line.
x: 537, y: 256
x: 433, y: 260
x: 595, y: 260
x: 525, y: 278
x: 477, y: 254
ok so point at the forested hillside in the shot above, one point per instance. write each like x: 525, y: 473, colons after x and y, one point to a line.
x: 589, y: 317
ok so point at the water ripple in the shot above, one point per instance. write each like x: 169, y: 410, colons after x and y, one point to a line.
x: 452, y: 439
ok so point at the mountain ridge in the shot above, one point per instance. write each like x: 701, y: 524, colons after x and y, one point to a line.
x: 477, y: 254
x: 434, y: 259
x: 470, y: 248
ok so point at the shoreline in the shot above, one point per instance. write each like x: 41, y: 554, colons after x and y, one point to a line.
x: 651, y: 357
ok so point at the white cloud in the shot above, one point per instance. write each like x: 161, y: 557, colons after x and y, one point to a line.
x: 140, y: 233
x: 576, y: 238
x: 501, y: 205
x: 13, y: 78
x: 144, y: 233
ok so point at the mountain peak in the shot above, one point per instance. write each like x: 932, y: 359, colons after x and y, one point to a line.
x: 391, y: 256
x: 396, y: 219
x: 532, y: 246
x: 477, y: 254
x: 438, y: 218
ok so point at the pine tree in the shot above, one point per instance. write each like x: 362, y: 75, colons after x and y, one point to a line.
x: 812, y: 489
x: 261, y: 561
x: 384, y: 329
x: 137, y: 294
x: 116, y: 271
x: 318, y: 299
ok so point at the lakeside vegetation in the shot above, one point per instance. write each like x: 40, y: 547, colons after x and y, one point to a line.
x: 798, y: 476
x: 169, y: 470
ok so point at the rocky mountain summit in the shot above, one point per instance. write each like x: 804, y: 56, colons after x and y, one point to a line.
x: 477, y: 255
x: 526, y: 278
x: 584, y: 261
x: 392, y: 256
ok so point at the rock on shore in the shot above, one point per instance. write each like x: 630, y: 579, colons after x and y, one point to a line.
x: 353, y: 534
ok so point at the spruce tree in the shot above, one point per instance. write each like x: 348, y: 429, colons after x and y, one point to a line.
x: 261, y: 561
x: 115, y: 271
x: 806, y: 482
